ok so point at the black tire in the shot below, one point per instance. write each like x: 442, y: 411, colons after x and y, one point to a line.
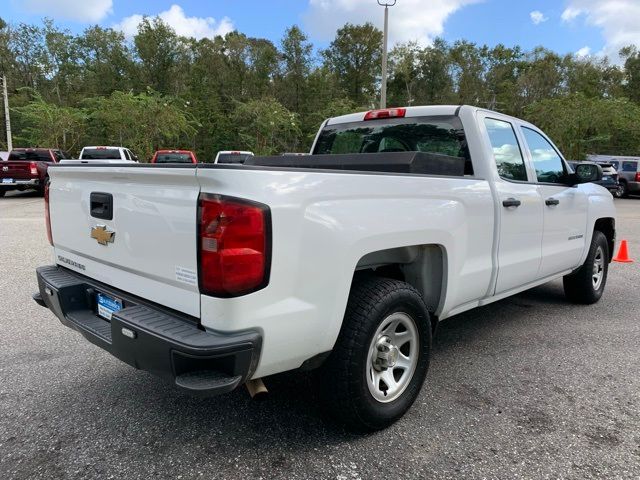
x: 342, y: 379
x: 2, y: 193
x: 624, y: 190
x: 618, y: 192
x: 579, y: 286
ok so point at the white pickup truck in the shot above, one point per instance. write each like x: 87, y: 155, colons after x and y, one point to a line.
x: 342, y: 261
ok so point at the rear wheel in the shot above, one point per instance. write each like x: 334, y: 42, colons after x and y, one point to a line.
x: 586, y: 284
x: 623, y: 190
x: 381, y: 357
x: 2, y: 193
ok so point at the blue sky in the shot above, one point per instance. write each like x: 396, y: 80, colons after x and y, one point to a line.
x: 566, y: 26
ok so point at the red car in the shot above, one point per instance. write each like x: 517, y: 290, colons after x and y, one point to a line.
x: 174, y: 156
x: 26, y: 168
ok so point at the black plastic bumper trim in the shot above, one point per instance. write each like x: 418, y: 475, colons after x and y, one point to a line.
x: 150, y: 337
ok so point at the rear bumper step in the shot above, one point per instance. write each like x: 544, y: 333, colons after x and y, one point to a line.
x: 149, y: 337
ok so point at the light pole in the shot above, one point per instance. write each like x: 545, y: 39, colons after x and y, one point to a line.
x: 383, y: 88
x: 6, y: 112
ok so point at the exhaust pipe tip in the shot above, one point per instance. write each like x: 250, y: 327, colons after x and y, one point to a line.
x: 257, y: 389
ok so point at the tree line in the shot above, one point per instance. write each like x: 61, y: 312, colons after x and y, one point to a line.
x: 161, y: 90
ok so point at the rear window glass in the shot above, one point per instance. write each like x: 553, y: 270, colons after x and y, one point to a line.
x: 32, y: 155
x: 173, y: 158
x: 101, y: 154
x: 233, y: 157
x: 629, y: 166
x: 436, y: 134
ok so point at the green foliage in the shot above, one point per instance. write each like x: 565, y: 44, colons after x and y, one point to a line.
x: 168, y: 91
x: 265, y: 127
x: 144, y: 122
x: 50, y: 125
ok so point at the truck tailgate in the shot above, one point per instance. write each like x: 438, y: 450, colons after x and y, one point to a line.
x: 16, y: 169
x: 152, y: 252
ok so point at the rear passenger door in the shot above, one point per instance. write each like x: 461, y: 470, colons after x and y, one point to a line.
x: 565, y: 207
x: 519, y: 207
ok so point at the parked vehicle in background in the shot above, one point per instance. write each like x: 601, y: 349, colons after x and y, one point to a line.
x: 609, y: 177
x: 343, y: 261
x: 628, y: 169
x: 106, y: 155
x: 174, y: 156
x: 26, y: 169
x: 232, y: 156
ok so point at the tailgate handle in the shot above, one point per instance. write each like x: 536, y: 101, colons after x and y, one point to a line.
x: 102, y: 205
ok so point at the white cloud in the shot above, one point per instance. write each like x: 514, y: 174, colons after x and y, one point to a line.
x: 617, y: 19
x: 583, y: 52
x: 197, y: 27
x: 537, y: 17
x: 408, y: 20
x: 85, y: 11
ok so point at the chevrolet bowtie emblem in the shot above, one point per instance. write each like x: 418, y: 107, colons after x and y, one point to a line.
x: 102, y: 235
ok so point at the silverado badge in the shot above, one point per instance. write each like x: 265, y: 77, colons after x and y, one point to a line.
x: 102, y: 235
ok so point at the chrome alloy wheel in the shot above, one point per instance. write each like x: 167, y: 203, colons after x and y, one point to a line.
x: 598, y: 269
x: 393, y: 357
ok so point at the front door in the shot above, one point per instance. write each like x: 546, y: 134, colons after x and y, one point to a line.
x: 565, y: 208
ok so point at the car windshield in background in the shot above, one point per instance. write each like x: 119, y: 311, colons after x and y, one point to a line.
x: 436, y: 134
x: 30, y: 156
x: 101, y: 154
x: 173, y: 158
x: 233, y: 157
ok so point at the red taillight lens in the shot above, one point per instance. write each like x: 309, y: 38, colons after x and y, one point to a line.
x: 234, y: 245
x: 47, y: 216
x: 33, y: 168
x: 638, y: 177
x: 385, y: 113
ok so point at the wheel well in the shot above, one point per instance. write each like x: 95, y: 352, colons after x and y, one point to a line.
x: 421, y: 266
x: 608, y: 227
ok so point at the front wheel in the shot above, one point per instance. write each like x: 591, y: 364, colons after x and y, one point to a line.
x: 586, y: 284
x: 381, y: 357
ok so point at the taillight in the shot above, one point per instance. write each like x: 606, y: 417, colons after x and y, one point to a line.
x: 47, y: 215
x: 385, y: 113
x: 234, y: 245
x: 33, y: 168
x: 637, y: 176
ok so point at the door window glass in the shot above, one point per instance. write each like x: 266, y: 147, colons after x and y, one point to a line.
x: 629, y: 166
x: 546, y: 161
x: 506, y: 150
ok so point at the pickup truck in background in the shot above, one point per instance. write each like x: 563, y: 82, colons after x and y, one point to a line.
x: 106, y: 155
x: 174, y: 156
x: 232, y: 156
x: 343, y: 261
x: 26, y: 169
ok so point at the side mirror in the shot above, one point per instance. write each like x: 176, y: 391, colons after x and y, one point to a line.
x: 585, y: 173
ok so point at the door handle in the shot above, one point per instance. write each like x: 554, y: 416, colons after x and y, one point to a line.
x: 101, y: 205
x: 511, y: 202
x: 551, y: 201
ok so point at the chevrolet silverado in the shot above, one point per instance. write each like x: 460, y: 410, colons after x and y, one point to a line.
x: 342, y: 261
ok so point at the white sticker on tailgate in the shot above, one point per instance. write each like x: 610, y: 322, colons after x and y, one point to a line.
x: 186, y: 275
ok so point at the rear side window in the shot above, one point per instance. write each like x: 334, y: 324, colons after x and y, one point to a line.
x: 437, y: 134
x: 173, y: 158
x: 629, y: 166
x: 506, y: 150
x: 101, y: 154
x: 30, y: 155
x: 546, y: 161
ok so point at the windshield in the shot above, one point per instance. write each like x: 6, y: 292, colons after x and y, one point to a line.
x: 233, y: 157
x: 101, y: 154
x: 436, y: 134
x: 30, y: 155
x: 173, y: 158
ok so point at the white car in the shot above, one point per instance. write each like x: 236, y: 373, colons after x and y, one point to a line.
x: 104, y: 154
x: 212, y: 276
x: 232, y: 156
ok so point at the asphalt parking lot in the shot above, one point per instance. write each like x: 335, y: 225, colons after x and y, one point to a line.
x: 529, y: 387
